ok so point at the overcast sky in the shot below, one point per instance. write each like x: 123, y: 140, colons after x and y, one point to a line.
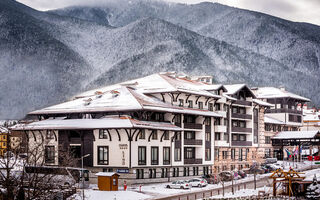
x: 294, y: 10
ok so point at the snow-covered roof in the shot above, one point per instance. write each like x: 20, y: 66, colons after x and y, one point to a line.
x: 272, y: 92
x: 271, y: 120
x: 106, y: 174
x: 228, y: 97
x: 234, y: 88
x: 297, y: 135
x: 3, y: 129
x: 103, y: 123
x: 123, y: 97
x: 314, y: 117
x: 262, y: 103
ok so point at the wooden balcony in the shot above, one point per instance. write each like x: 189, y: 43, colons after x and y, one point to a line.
x: 192, y: 142
x: 284, y: 110
x: 241, y: 116
x: 241, y: 130
x: 188, y: 161
x: 192, y: 126
x: 241, y: 143
x: 242, y: 102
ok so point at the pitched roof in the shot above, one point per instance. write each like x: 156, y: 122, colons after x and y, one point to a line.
x: 262, y: 103
x: 273, y: 92
x: 297, y: 135
x: 103, y: 123
x: 234, y: 88
x: 271, y: 120
x: 3, y: 129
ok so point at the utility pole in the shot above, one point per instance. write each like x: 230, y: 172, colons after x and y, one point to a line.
x: 255, y: 179
x: 82, y: 174
x: 232, y: 183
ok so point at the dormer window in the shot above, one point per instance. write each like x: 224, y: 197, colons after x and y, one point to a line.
x: 200, y: 104
x: 181, y: 102
x: 190, y: 104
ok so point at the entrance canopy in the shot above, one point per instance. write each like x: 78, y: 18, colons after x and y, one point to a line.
x: 291, y: 138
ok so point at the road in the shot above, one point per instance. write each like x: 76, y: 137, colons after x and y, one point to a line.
x: 208, y: 193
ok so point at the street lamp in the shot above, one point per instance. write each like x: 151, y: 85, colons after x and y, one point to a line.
x: 82, y: 174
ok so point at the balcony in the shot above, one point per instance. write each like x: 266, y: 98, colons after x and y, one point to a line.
x: 220, y: 128
x: 242, y: 102
x: 192, y: 161
x: 241, y: 116
x: 284, y: 110
x: 192, y: 126
x: 241, y: 130
x: 192, y: 142
x: 241, y: 143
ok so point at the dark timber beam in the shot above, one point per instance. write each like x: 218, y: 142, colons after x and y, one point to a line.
x: 136, y: 139
x: 110, y: 139
x: 198, y: 97
x: 188, y: 96
x: 150, y: 135
x: 118, y: 134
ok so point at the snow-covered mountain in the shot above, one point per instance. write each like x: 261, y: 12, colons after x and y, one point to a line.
x: 47, y: 57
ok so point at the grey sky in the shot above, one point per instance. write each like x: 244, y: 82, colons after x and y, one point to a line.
x: 294, y: 10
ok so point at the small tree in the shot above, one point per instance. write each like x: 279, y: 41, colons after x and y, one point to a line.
x: 15, y: 183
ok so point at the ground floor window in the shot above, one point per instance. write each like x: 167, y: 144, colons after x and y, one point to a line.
x: 103, y: 155
x: 166, y: 155
x: 205, y: 170
x: 195, y: 171
x: 177, y: 154
x: 208, y: 154
x: 152, y: 173
x: 139, y: 173
x: 186, y: 171
x: 164, y: 172
x: 175, y: 172
x: 49, y: 154
x: 154, y: 155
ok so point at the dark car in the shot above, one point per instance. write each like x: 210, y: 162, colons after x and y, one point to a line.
x: 242, y: 174
x: 211, y: 179
x: 225, y: 176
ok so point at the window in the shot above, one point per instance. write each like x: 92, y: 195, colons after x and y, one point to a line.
x: 186, y: 171
x: 242, y: 110
x: 240, y: 154
x: 217, y: 121
x: 142, y: 135
x: 141, y: 155
x: 242, y: 124
x: 226, y: 137
x: 200, y: 105
x: 217, y: 107
x: 189, y: 152
x: 234, y: 123
x: 154, y: 155
x: 152, y: 173
x: 178, y: 136
x: 189, y: 135
x: 195, y: 171
x: 103, y: 134
x: 233, y: 154
x: 217, y: 136
x: 224, y: 154
x: 177, y: 118
x: 208, y: 154
x: 268, y: 140
x: 181, y: 102
x: 49, y: 135
x: 154, y: 135
x: 235, y: 137
x: 210, y: 106
x: 234, y: 110
x: 49, y: 154
x: 139, y: 173
x: 208, y: 136
x: 190, y: 104
x: 242, y: 137
x: 216, y: 154
x: 177, y: 154
x: 207, y: 121
x: 164, y: 172
x: 103, y: 155
x: 166, y: 155
x: 166, y: 135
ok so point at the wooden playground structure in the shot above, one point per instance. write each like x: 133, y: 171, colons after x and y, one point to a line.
x: 292, y: 181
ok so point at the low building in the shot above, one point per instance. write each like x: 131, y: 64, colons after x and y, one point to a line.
x: 3, y: 140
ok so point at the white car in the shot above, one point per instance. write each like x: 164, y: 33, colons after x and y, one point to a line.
x: 179, y: 185
x: 198, y: 182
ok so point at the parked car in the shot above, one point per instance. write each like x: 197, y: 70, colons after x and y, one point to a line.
x: 198, y: 182
x: 225, y: 176
x: 242, y: 174
x: 211, y: 179
x: 179, y: 185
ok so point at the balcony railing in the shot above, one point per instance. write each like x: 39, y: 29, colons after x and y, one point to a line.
x: 241, y: 130
x: 284, y: 110
x: 192, y: 161
x: 192, y: 142
x: 220, y: 128
x: 241, y: 143
x: 192, y: 126
x: 242, y: 102
x: 241, y: 116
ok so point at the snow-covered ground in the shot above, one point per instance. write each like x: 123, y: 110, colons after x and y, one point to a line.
x: 244, y: 193
x: 150, y: 191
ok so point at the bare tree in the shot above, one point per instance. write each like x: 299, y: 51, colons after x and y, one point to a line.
x: 16, y: 182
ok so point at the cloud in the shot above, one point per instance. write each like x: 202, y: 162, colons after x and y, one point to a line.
x: 294, y: 10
